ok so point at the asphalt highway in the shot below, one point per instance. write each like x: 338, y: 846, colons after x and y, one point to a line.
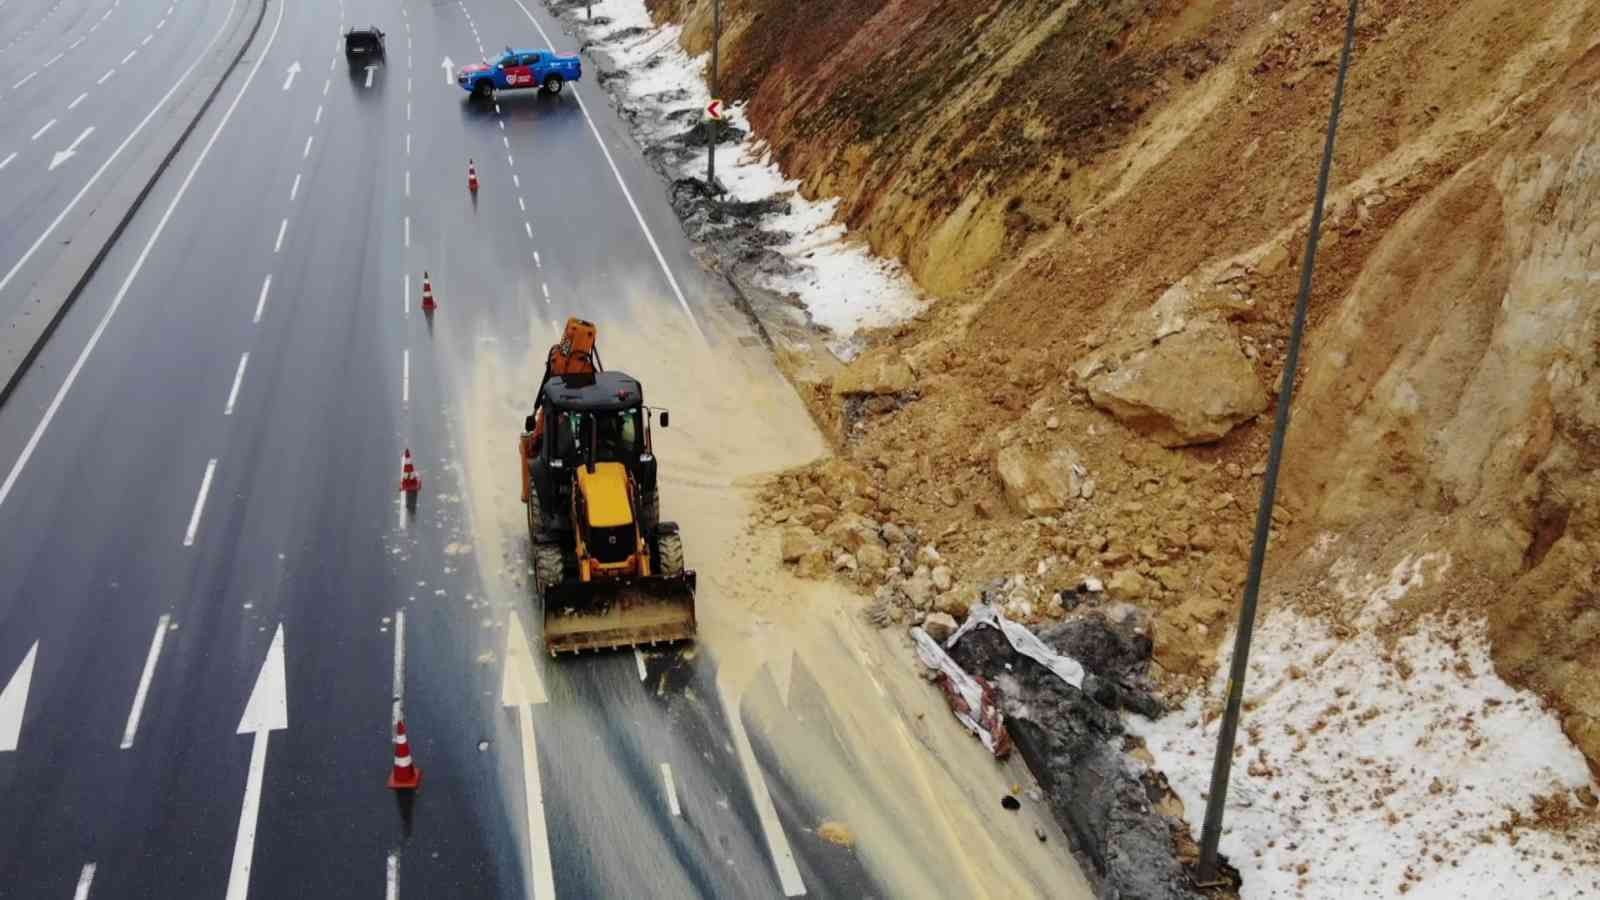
x: 212, y: 607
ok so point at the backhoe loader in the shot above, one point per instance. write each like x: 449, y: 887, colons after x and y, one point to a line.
x: 609, y: 572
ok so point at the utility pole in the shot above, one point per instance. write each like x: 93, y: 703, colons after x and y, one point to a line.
x: 711, y: 124
x: 1211, y: 832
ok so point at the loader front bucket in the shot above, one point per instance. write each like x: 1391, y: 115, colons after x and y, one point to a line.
x: 599, y: 615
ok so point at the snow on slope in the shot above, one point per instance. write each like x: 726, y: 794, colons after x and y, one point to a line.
x: 1366, y: 772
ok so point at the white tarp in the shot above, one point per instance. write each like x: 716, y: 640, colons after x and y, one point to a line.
x: 968, y: 700
x: 1022, y: 640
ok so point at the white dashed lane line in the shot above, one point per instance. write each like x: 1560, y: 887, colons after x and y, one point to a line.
x: 102, y: 79
x: 25, y: 79
x: 54, y: 59
x: 7, y: 161
x: 199, y: 504
x: 282, y: 227
x: 41, y: 131
x: 131, y: 54
x: 238, y: 379
x: 307, y: 152
x: 294, y: 189
x: 261, y: 302
x: 74, y: 104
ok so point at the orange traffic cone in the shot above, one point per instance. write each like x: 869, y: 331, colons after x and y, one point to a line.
x: 406, y: 776
x: 427, y: 294
x: 472, y: 177
x: 410, y: 481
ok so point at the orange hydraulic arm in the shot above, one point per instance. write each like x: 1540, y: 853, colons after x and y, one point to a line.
x: 576, y: 354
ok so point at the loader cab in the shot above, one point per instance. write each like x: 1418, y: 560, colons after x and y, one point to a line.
x: 592, y: 418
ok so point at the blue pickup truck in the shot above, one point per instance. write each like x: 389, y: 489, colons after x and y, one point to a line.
x: 518, y: 69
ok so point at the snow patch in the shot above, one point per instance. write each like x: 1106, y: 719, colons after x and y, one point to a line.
x: 1366, y: 772
x: 838, y: 279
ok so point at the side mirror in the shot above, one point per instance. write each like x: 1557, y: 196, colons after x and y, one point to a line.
x: 529, y: 424
x: 663, y: 418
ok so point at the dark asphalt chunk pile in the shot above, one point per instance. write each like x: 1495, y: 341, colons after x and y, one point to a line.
x: 1070, y: 740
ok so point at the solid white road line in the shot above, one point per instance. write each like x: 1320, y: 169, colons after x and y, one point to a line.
x: 267, y: 711
x: 74, y: 104
x: 627, y: 194
x: 408, y: 231
x: 391, y: 890
x: 261, y: 302
x: 131, y: 54
x: 7, y: 161
x: 399, y: 667
x: 294, y: 189
x: 41, y: 131
x: 199, y: 504
x: 238, y: 379
x: 85, y: 881
x: 521, y: 687
x: 39, y: 241
x: 132, y: 728
x: 638, y: 657
x: 307, y: 151
x: 14, y: 701
x: 405, y: 378
x: 672, y: 791
x: 102, y: 78
x: 777, y: 841
x: 282, y: 227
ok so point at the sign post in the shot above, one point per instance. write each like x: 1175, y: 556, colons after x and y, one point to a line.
x: 714, y: 109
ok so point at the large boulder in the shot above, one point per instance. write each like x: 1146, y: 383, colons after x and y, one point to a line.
x: 1192, y: 387
x: 1037, y: 482
x: 798, y: 540
x: 879, y: 372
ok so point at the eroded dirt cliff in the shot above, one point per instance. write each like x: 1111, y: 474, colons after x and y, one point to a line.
x: 1110, y: 202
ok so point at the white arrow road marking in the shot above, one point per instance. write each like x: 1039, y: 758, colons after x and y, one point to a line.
x: 370, y: 70
x: 522, y: 688
x: 266, y: 712
x: 290, y: 73
x: 777, y: 841
x: 447, y: 65
x: 72, y: 149
x: 85, y: 881
x: 672, y: 792
x: 144, y: 681
x: 14, y: 699
x: 782, y: 668
x: 199, y: 504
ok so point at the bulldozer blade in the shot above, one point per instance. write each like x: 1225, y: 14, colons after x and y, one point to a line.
x: 600, y: 615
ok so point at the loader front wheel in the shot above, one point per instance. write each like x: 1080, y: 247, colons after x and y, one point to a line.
x: 547, y: 565
x: 669, y: 554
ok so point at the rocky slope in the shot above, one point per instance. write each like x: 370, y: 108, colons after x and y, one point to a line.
x: 1111, y: 202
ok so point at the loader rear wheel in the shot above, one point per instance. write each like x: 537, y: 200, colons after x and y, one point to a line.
x: 669, y: 554
x: 547, y: 565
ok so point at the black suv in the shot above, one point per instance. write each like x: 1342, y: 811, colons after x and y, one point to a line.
x: 363, y: 42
